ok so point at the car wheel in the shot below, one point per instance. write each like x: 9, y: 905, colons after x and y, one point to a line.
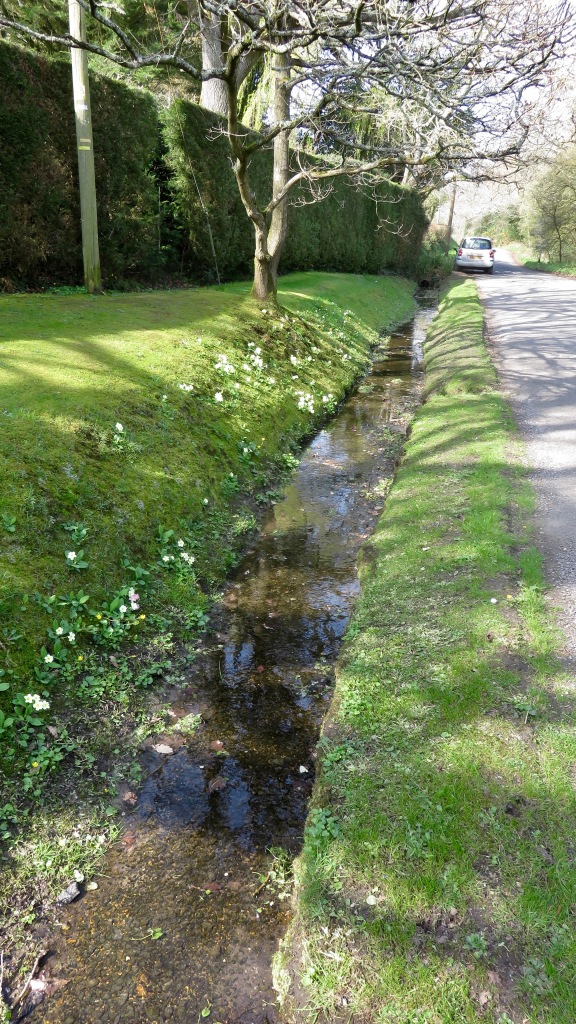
x: 489, y: 270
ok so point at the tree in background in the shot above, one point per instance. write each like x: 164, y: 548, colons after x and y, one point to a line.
x: 502, y: 226
x: 432, y: 83
x: 550, y: 216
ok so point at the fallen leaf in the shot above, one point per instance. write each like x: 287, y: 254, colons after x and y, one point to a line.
x: 260, y: 668
x: 493, y: 978
x: 484, y: 998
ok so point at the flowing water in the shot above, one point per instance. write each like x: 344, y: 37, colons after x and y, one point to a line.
x: 181, y: 922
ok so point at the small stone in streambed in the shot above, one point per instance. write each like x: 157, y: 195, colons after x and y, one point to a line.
x: 162, y: 748
x: 69, y: 894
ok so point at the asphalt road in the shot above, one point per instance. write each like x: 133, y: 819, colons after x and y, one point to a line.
x: 531, y: 321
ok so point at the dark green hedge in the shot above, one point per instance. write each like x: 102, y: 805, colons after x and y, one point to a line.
x: 164, y: 182
x: 348, y: 231
x: 39, y: 216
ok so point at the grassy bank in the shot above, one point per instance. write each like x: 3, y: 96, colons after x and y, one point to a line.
x: 141, y: 434
x: 437, y: 881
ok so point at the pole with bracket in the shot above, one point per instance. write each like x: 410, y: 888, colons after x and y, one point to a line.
x: 85, y: 148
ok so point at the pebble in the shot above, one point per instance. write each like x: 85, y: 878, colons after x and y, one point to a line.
x: 69, y: 894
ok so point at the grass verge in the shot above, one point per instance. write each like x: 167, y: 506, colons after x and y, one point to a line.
x: 527, y: 258
x: 437, y: 881
x: 141, y: 435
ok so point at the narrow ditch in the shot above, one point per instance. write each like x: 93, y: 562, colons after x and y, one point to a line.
x: 192, y: 902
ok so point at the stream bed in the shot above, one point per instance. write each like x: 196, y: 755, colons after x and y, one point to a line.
x: 192, y: 901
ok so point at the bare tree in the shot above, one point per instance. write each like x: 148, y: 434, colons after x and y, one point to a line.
x: 361, y: 88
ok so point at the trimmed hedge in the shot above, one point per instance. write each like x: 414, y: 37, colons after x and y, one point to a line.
x: 39, y: 208
x: 164, y: 182
x: 349, y: 231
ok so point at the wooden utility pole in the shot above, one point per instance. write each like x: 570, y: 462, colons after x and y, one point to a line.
x: 88, y: 212
x: 450, y: 218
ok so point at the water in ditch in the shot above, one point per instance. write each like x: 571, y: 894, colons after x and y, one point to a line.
x: 181, y: 922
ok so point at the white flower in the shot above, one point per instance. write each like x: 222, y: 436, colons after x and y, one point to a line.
x: 48, y: 659
x: 71, y: 636
x: 293, y: 360
x: 134, y: 606
x: 164, y: 398
x: 186, y: 387
x: 31, y: 697
x: 41, y: 705
x: 181, y: 543
x: 119, y: 428
x: 218, y: 397
x: 71, y: 556
x: 131, y: 593
x: 258, y: 351
x: 59, y: 631
x: 237, y: 386
x: 205, y: 502
x: 165, y: 558
x: 123, y: 609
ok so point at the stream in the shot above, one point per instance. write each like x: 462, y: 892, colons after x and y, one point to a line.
x: 181, y: 921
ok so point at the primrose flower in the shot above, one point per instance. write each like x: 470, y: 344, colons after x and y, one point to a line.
x: 59, y: 631
x: 98, y: 615
x: 123, y: 609
x: 71, y: 556
x: 134, y: 606
x: 205, y: 502
x: 29, y: 698
x: 181, y: 543
x: 218, y: 397
x: 141, y: 616
x: 41, y: 705
x: 294, y: 360
x: 71, y: 636
x: 48, y: 659
x: 165, y: 558
x: 119, y: 428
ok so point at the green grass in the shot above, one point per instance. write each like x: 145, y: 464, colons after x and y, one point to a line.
x: 437, y: 881
x: 71, y: 368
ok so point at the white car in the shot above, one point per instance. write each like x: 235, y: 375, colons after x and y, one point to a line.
x: 475, y: 254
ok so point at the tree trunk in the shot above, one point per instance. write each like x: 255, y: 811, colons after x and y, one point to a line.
x: 263, y: 287
x: 279, y: 218
x: 214, y: 93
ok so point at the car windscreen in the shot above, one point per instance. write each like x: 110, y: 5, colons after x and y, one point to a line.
x: 476, y: 243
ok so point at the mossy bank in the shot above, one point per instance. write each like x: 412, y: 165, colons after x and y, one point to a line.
x: 141, y: 434
x: 437, y: 881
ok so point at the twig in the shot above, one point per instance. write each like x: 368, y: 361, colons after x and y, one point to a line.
x: 264, y: 883
x: 24, y: 990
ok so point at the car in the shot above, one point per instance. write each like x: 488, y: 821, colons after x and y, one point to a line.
x: 475, y: 253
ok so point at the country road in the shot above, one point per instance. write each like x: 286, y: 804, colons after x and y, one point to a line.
x: 531, y: 324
